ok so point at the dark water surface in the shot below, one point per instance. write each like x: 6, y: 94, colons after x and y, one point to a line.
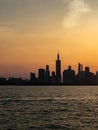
x: 48, y: 108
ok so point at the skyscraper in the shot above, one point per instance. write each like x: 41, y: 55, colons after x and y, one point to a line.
x: 69, y: 76
x: 80, y: 68
x: 81, y: 73
x: 47, y: 75
x: 41, y: 76
x: 58, y: 69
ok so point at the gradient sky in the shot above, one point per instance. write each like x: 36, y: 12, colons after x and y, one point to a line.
x: 32, y: 32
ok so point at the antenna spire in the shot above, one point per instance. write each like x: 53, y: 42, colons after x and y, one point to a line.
x: 58, y: 57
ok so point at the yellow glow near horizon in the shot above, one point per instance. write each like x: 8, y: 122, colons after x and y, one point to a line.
x: 27, y: 45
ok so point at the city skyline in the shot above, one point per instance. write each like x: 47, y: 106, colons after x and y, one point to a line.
x: 57, y: 68
x: 32, y: 31
x: 57, y: 77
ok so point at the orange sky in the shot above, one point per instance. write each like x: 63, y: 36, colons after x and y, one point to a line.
x: 31, y: 38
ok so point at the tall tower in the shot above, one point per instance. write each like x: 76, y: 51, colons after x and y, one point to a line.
x: 58, y: 69
x: 47, y: 75
x: 80, y: 68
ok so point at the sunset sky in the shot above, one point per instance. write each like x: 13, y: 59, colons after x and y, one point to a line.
x: 32, y: 32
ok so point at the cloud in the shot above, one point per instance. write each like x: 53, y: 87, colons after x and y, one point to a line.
x: 76, y: 9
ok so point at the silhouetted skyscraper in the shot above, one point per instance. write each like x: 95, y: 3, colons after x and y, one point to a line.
x: 87, y: 70
x: 32, y: 78
x: 80, y: 68
x: 58, y: 69
x: 41, y: 76
x: 53, y: 78
x: 47, y: 75
x: 69, y: 76
x: 81, y: 73
x: 87, y: 75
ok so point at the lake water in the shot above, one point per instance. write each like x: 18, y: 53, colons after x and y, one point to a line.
x: 48, y: 108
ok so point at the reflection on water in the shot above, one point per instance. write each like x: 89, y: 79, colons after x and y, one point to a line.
x: 48, y: 108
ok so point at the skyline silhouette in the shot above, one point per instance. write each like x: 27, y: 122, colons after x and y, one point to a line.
x: 45, y: 77
x: 48, y: 64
